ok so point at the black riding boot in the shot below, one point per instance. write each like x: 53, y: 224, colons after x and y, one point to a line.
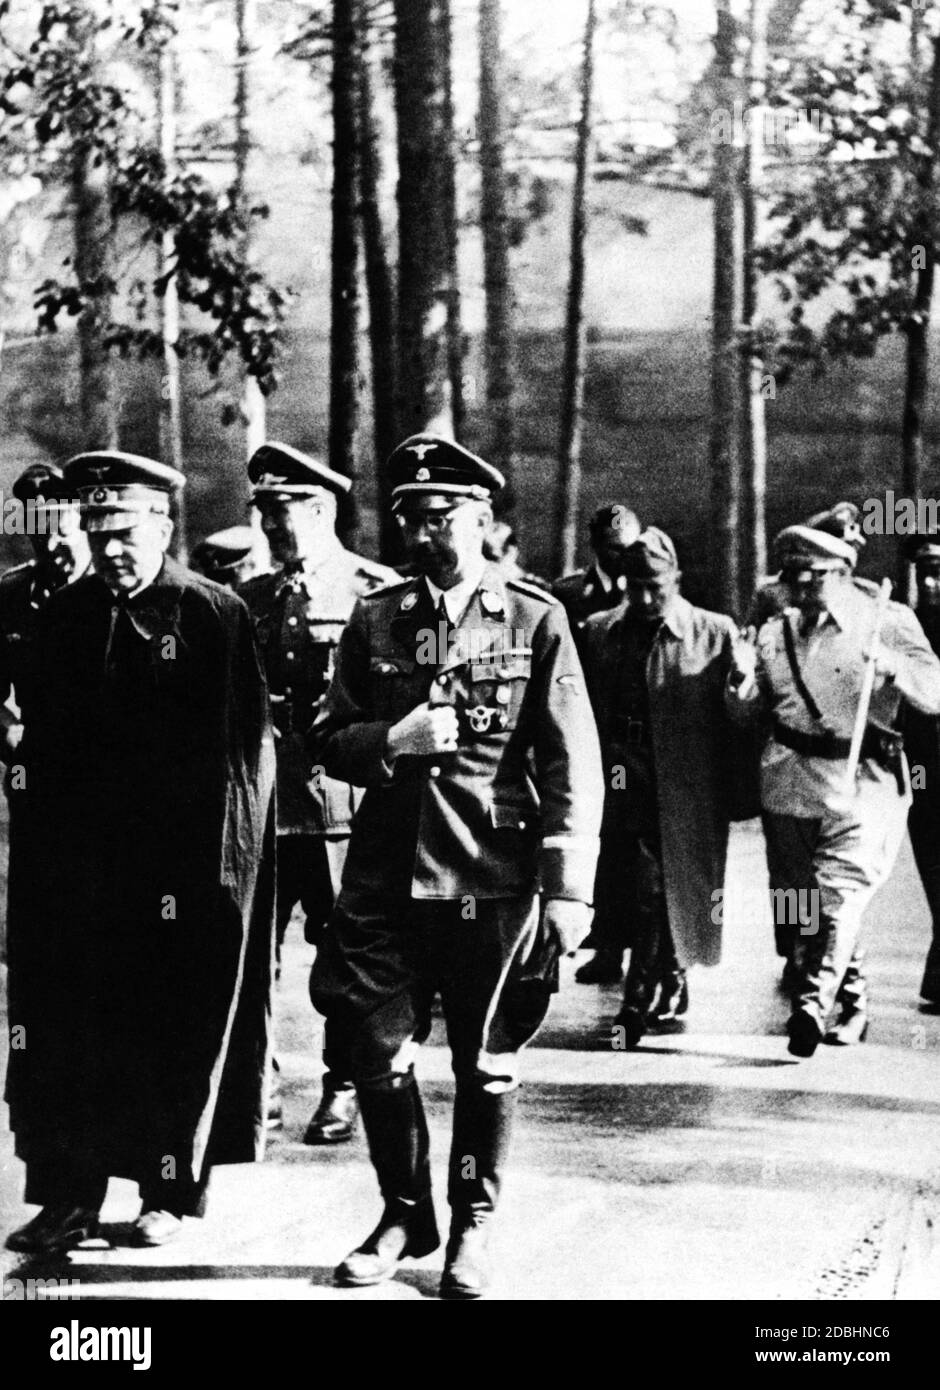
x: 479, y: 1150
x: 397, y: 1132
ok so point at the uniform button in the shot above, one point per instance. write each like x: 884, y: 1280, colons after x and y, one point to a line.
x: 287, y: 690
x: 522, y: 825
x: 291, y: 656
x: 292, y: 621
x: 435, y: 771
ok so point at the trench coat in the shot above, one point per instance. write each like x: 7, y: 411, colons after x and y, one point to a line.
x: 693, y: 742
x: 142, y: 944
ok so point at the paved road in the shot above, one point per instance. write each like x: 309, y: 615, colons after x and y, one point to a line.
x: 704, y: 1165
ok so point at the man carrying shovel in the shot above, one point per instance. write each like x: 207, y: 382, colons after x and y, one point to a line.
x: 830, y: 670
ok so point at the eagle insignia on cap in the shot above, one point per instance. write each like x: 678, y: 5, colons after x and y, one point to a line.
x: 421, y: 450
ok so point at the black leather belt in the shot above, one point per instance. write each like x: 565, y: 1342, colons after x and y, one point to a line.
x: 883, y: 746
x: 811, y: 745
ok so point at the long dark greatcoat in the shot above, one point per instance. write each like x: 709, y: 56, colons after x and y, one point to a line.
x: 141, y: 945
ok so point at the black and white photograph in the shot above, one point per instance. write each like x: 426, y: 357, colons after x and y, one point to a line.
x: 470, y: 666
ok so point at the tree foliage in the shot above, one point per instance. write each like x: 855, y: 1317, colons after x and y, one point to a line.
x: 853, y: 217
x: 72, y: 89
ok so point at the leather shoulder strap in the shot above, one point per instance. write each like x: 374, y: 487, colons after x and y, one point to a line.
x: 805, y: 694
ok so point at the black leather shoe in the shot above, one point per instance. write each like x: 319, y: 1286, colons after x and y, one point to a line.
x: 633, y: 1023
x: 604, y: 968
x: 334, y: 1120
x: 467, y: 1262
x: 406, y: 1231
x: 804, y: 1034
x: 852, y: 1028
x: 57, y: 1227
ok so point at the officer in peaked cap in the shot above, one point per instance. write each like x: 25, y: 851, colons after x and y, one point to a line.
x: 229, y: 556
x: 657, y: 669
x: 602, y: 585
x: 61, y: 556
x: 300, y: 611
x: 833, y: 845
x: 140, y: 956
x: 458, y: 702
x: 842, y: 522
x: 117, y: 490
x: 922, y: 739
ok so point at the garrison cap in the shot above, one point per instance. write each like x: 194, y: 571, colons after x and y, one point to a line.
x: 806, y: 547
x: 277, y: 470
x: 614, y: 516
x: 842, y: 520
x: 45, y: 485
x: 650, y: 556
x: 116, y: 490
x: 223, y: 551
x: 923, y: 547
x: 427, y: 463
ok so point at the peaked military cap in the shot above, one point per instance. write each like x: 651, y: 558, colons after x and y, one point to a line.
x: 650, y: 556
x: 223, y: 551
x: 277, y: 470
x: 806, y: 547
x: 430, y: 463
x: 45, y: 485
x: 842, y: 520
x: 116, y: 490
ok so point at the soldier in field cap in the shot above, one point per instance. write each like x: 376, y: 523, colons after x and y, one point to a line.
x: 140, y: 964
x: 657, y: 669
x: 471, y: 860
x: 300, y: 610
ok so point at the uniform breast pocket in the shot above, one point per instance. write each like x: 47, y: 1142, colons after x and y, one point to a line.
x: 494, y: 699
x: 392, y: 686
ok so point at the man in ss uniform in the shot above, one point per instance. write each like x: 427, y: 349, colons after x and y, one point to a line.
x: 458, y: 702
x: 61, y: 556
x: 922, y: 738
x: 602, y: 585
x: 300, y: 611
x: 61, y: 553
x: 835, y: 845
x: 141, y: 961
x: 656, y: 669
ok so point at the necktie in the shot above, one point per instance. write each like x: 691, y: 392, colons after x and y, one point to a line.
x: 445, y: 630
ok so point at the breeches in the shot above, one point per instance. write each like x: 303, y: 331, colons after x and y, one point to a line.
x: 381, y: 964
x: 836, y: 863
